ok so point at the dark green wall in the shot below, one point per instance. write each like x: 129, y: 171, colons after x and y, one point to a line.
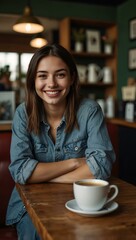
x: 58, y: 9
x: 125, y: 12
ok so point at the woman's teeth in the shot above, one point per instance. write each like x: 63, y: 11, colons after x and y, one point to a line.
x: 52, y: 92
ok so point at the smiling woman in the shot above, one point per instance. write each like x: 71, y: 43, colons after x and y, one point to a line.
x: 56, y: 137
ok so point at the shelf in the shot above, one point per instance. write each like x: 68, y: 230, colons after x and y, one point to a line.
x: 90, y: 22
x: 121, y: 122
x: 100, y: 58
x: 99, y: 84
x: 86, y: 54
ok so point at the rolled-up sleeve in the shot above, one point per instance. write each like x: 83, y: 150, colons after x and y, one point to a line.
x: 100, y: 154
x: 21, y: 151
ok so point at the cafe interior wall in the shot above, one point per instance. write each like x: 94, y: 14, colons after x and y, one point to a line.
x: 125, y: 13
x: 127, y: 153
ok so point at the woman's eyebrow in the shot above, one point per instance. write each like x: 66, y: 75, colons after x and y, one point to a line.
x: 62, y: 69
x: 41, y: 71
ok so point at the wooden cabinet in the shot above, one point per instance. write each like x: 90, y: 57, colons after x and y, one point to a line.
x: 123, y: 135
x: 66, y: 27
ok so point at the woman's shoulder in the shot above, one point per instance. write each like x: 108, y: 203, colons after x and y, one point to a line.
x: 88, y: 103
x: 21, y: 107
x: 21, y: 110
x: 88, y: 106
x: 89, y: 109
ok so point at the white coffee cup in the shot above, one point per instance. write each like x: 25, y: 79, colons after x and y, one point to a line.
x: 92, y: 194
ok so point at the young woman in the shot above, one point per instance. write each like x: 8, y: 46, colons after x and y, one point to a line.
x: 55, y: 136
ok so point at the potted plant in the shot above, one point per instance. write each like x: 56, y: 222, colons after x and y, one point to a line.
x: 79, y: 37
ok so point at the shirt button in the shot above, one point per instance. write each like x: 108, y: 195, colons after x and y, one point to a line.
x: 58, y: 149
x: 76, y: 148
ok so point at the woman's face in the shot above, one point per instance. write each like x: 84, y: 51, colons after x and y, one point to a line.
x: 53, y: 80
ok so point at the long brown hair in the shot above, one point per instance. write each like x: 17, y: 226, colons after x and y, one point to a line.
x: 34, y: 103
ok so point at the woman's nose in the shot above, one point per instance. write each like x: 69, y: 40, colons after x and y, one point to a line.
x: 51, y: 81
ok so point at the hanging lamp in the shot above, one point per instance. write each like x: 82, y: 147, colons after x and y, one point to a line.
x: 38, y: 41
x: 28, y: 23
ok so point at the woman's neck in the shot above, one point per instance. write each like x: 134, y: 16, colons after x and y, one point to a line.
x: 54, y: 114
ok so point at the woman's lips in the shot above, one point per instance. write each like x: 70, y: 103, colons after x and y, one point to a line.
x: 53, y: 93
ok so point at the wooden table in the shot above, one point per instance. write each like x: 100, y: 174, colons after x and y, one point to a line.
x: 45, y: 204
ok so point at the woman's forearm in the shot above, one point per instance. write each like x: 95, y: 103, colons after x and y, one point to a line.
x: 48, y: 171
x: 79, y: 173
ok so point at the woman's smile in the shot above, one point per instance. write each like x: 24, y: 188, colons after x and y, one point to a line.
x: 52, y: 93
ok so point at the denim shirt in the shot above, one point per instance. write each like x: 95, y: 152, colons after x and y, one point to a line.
x: 91, y: 140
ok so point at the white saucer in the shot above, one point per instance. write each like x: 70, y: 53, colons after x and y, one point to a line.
x: 73, y: 207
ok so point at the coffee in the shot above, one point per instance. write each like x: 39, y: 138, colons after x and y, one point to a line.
x: 95, y: 184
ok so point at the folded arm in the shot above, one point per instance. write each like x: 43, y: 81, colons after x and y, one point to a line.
x: 62, y: 171
x: 79, y: 173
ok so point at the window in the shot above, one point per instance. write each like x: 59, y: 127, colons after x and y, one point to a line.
x: 24, y: 59
x: 11, y: 59
x: 17, y: 65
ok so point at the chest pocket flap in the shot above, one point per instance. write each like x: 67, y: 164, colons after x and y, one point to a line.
x: 39, y: 148
x: 75, y: 146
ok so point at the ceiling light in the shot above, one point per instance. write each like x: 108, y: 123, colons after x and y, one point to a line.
x: 28, y: 23
x: 38, y: 41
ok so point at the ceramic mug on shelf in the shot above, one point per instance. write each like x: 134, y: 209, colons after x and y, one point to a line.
x: 94, y: 73
x: 107, y: 75
x: 110, y: 107
x: 82, y: 72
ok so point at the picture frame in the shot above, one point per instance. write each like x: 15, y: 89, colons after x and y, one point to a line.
x: 7, y: 106
x: 93, y: 43
x: 132, y: 29
x: 132, y: 59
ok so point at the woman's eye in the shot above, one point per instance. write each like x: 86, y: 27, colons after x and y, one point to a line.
x: 60, y: 75
x: 42, y: 76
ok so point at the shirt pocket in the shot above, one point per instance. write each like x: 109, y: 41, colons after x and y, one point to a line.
x: 75, y: 149
x: 40, y: 151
